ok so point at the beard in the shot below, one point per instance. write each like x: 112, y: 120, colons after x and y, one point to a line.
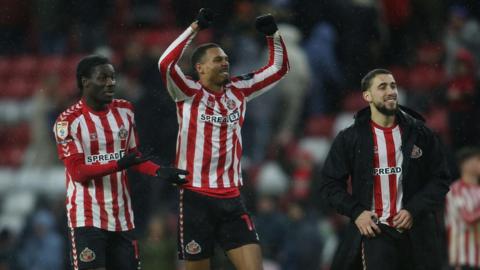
x: 384, y: 110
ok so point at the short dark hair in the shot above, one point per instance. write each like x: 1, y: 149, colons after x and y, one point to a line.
x: 466, y: 153
x: 367, y: 80
x: 86, y: 65
x: 200, y: 51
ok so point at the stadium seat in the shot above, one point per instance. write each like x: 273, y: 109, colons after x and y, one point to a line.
x: 319, y: 126
x: 353, y: 102
x: 49, y: 64
x: 5, y: 67
x: 25, y: 66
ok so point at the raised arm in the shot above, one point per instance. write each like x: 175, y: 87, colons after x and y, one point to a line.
x: 178, y: 85
x: 258, y: 82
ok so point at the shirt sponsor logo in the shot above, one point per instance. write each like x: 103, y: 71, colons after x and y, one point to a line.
x: 387, y: 170
x: 105, y: 157
x: 220, y: 119
x: 61, y: 129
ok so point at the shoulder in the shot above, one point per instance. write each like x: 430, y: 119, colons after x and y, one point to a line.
x: 122, y: 103
x: 71, y: 113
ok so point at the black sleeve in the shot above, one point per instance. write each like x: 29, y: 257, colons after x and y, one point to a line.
x: 432, y: 196
x: 335, y: 174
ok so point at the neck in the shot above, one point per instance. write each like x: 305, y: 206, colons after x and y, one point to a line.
x: 382, y: 119
x: 94, y: 105
x: 211, y: 86
x: 470, y: 179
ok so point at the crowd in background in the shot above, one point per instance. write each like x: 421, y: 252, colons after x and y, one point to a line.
x: 431, y: 46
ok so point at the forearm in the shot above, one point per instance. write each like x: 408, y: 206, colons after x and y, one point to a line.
x: 81, y: 172
x: 278, y: 56
x: 337, y: 196
x: 148, y: 168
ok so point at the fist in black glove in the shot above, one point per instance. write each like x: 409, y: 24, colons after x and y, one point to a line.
x: 172, y: 175
x: 131, y: 159
x: 205, y: 17
x: 266, y: 24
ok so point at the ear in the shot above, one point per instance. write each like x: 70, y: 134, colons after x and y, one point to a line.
x: 198, y: 68
x: 367, y: 96
x: 85, y: 81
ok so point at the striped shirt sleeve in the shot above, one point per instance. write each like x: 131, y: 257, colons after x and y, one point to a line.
x: 179, y: 86
x: 258, y: 82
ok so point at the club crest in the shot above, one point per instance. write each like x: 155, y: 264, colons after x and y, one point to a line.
x: 416, y: 152
x: 122, y: 133
x: 87, y: 255
x: 193, y: 248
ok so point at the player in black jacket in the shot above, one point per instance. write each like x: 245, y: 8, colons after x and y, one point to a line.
x: 408, y: 238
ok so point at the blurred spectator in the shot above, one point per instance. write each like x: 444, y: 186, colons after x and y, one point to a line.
x: 328, y: 79
x: 13, y: 25
x: 303, y: 243
x: 462, y: 216
x: 461, y: 91
x: 43, y: 247
x: 158, y: 249
x: 90, y: 19
x: 462, y: 32
x: 397, y: 15
x: 271, y: 226
x: 7, y: 244
x: 272, y: 180
x: 47, y: 103
x: 51, y: 19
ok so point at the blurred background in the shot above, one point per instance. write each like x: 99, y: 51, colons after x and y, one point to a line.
x: 431, y: 46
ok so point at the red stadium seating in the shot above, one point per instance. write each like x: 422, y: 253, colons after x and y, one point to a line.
x: 319, y: 126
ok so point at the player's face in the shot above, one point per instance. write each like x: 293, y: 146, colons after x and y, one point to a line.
x: 100, y: 87
x: 383, y: 94
x: 215, y: 66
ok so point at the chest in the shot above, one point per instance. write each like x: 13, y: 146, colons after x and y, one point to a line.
x: 106, y: 130
x: 218, y: 110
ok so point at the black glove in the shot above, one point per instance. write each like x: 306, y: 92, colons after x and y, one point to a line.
x: 205, y: 17
x: 131, y: 159
x: 266, y: 24
x: 172, y: 175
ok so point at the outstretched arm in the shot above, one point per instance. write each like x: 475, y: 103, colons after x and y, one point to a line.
x: 258, y: 82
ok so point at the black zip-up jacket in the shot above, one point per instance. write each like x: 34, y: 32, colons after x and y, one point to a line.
x: 425, y: 182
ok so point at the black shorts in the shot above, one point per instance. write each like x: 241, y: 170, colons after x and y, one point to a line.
x: 388, y: 250
x: 95, y: 248
x: 205, y: 220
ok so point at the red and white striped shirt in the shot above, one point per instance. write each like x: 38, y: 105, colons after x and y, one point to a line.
x: 387, y: 172
x: 209, y: 143
x: 100, y: 137
x: 462, y: 218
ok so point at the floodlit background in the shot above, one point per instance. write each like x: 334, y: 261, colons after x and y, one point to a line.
x: 430, y: 46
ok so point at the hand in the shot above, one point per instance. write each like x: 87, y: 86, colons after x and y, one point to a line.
x: 131, y: 159
x: 403, y: 220
x: 366, y: 225
x: 172, y: 175
x: 266, y: 24
x: 205, y: 18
